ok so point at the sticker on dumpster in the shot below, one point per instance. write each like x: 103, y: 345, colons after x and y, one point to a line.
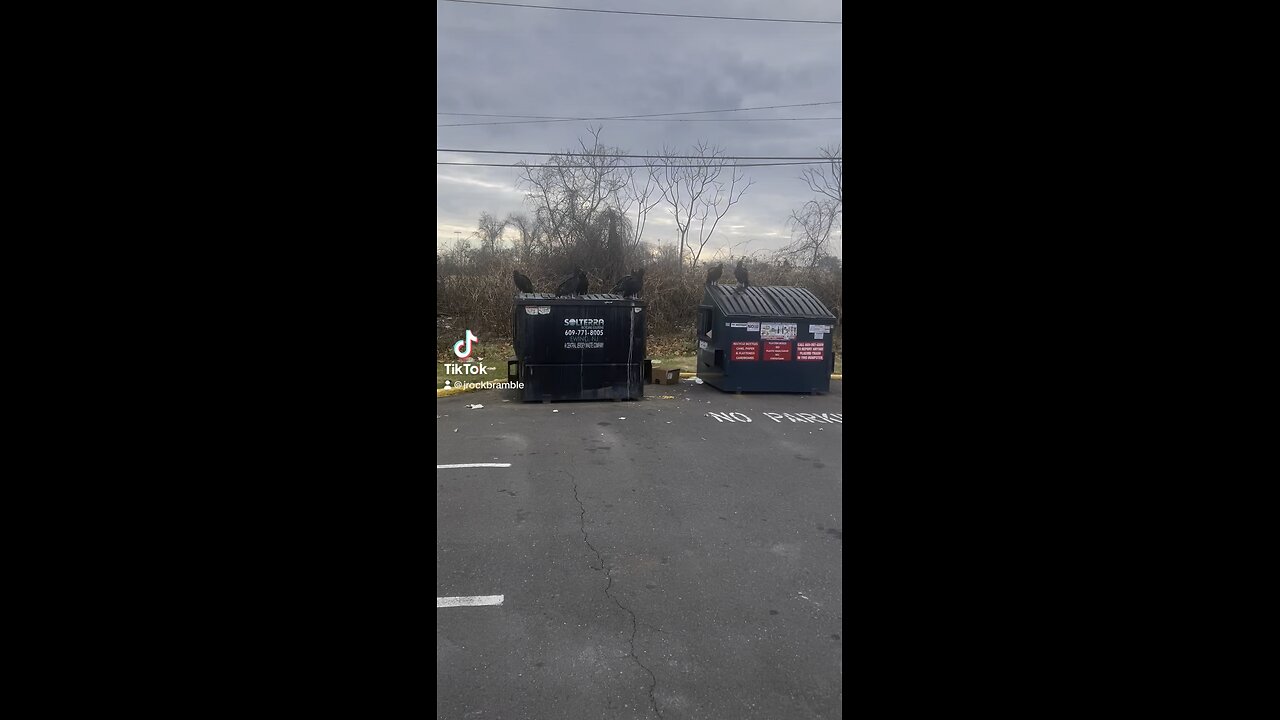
x: 544, y: 309
x: 753, y: 327
x: 583, y: 333
x: 702, y: 344
x: 819, y: 328
x: 737, y: 325
x: 777, y: 350
x: 777, y: 331
x: 538, y: 309
x: 809, y: 350
x: 746, y: 351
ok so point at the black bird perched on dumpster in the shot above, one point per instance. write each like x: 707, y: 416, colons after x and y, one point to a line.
x: 522, y: 281
x: 571, y: 283
x: 741, y: 273
x: 630, y: 285
x: 575, y: 284
x: 713, y: 275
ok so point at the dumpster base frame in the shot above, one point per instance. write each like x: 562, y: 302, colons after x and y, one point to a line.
x: 724, y: 383
x: 610, y: 381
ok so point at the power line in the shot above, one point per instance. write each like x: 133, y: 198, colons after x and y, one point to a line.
x: 629, y: 12
x: 623, y: 117
x: 819, y: 158
x: 532, y: 122
x: 610, y: 167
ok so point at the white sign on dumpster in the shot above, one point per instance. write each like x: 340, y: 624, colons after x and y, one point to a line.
x: 777, y: 331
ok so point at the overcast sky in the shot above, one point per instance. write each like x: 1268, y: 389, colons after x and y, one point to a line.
x: 524, y: 61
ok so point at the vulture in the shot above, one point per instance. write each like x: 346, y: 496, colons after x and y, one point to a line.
x: 568, y: 285
x: 582, y: 281
x: 522, y: 281
x: 571, y: 283
x: 621, y: 285
x: 741, y: 273
x: 631, y: 284
x: 713, y: 275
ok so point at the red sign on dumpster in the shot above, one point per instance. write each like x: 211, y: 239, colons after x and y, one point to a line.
x: 746, y: 351
x: 777, y: 350
x: 809, y: 350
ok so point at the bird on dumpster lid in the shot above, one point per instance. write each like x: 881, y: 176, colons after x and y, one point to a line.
x: 713, y: 275
x: 630, y: 285
x: 570, y: 283
x: 621, y: 285
x: 741, y: 273
x: 522, y: 281
x: 582, y: 281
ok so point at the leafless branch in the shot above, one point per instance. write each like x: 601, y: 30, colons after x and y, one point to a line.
x: 696, y: 195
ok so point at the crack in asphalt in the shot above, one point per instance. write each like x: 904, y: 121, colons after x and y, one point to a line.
x: 608, y: 573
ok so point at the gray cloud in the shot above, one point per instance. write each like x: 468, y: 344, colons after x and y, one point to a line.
x: 513, y: 60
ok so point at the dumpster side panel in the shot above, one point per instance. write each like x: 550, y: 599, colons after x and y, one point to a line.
x: 581, y: 349
x: 756, y: 362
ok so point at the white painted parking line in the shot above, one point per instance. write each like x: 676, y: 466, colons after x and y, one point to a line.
x: 469, y: 601
x: 470, y: 465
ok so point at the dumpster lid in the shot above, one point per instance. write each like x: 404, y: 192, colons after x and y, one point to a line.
x: 766, y: 301
x: 589, y: 299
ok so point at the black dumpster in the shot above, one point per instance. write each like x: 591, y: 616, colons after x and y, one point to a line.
x: 764, y: 339
x: 590, y: 347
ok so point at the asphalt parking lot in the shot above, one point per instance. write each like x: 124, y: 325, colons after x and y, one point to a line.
x: 675, y: 557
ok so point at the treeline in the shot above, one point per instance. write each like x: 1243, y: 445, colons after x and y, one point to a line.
x: 474, y: 286
x: 588, y: 207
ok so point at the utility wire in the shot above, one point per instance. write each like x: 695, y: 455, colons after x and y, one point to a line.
x: 610, y: 167
x: 623, y: 117
x: 629, y: 12
x: 819, y: 158
x: 531, y: 122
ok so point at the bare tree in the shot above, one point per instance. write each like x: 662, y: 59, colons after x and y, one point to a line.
x: 618, y: 235
x: 569, y: 190
x: 827, y: 179
x: 529, y: 243
x: 811, y: 227
x: 489, y: 232
x: 698, y: 195
x: 638, y: 193
x: 814, y: 223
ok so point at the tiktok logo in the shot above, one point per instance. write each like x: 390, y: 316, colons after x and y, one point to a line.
x: 457, y: 347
